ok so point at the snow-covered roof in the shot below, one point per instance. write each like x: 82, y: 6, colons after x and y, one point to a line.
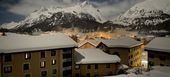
x: 159, y: 44
x: 20, y: 43
x: 121, y: 42
x: 94, y: 55
x: 93, y: 42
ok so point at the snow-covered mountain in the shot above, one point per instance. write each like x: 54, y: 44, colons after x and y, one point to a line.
x: 82, y: 15
x: 149, y: 14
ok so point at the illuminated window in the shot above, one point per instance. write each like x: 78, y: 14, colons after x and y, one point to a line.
x: 27, y: 55
x: 42, y: 64
x: 53, y: 62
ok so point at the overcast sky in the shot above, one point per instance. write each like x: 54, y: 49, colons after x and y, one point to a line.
x: 17, y: 10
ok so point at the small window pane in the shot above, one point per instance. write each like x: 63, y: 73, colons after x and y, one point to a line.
x: 44, y: 74
x: 8, y: 69
x: 77, y: 66
x: 53, y: 53
x: 42, y: 64
x: 88, y: 66
x: 8, y: 58
x: 27, y: 55
x: 54, y: 71
x: 27, y: 75
x: 26, y: 67
x: 53, y: 62
x: 42, y: 54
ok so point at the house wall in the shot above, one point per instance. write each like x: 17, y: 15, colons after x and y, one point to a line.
x: 156, y: 60
x: 18, y: 59
x: 129, y: 56
x: 101, y: 71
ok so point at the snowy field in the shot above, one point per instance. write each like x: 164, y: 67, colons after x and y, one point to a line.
x: 157, y: 71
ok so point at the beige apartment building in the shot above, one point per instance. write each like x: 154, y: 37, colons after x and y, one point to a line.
x: 93, y: 62
x: 159, y: 51
x: 47, y: 55
x: 128, y: 49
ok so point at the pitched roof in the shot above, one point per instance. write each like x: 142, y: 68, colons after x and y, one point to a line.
x: 159, y: 44
x: 93, y: 42
x: 121, y: 42
x: 20, y: 43
x: 94, y: 55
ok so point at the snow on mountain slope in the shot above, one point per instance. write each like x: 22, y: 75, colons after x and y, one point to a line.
x: 9, y: 25
x: 43, y: 13
x: 149, y: 12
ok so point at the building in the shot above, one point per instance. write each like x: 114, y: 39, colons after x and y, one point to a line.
x: 47, y: 55
x: 158, y: 51
x: 88, y: 44
x: 128, y: 49
x: 92, y: 62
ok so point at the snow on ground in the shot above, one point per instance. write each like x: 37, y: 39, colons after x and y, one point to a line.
x: 157, y: 71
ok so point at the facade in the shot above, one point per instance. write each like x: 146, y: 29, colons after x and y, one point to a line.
x: 128, y: 49
x: 94, y: 62
x: 36, y: 56
x: 158, y: 51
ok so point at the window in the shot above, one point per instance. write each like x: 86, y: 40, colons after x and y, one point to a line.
x: 43, y: 73
x: 88, y: 75
x: 54, y: 71
x: 27, y: 55
x: 96, y: 74
x: 26, y: 67
x: 116, y: 53
x: 88, y: 66
x: 27, y: 75
x: 53, y: 62
x: 8, y: 69
x: 77, y: 75
x: 96, y: 66
x: 151, y: 56
x: 42, y: 54
x: 77, y: 66
x: 42, y: 64
x: 131, y: 62
x: 53, y: 53
x: 162, y: 65
x: 107, y: 65
x: 8, y: 57
x: 66, y: 64
x: 162, y: 58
